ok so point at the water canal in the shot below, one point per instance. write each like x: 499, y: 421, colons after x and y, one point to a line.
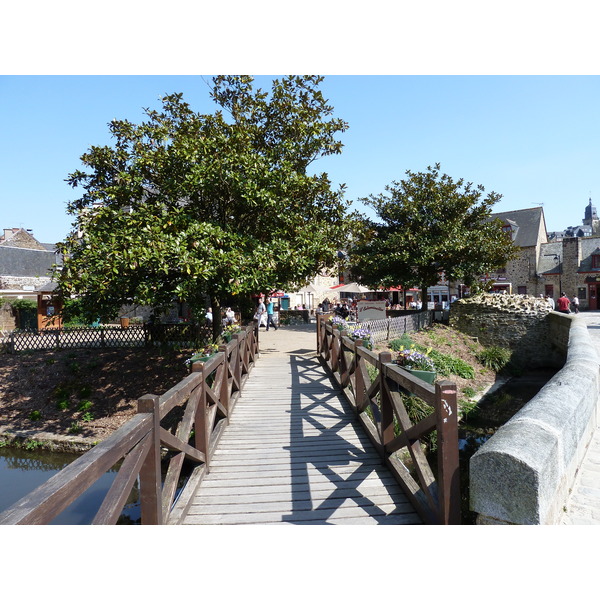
x: 490, y: 413
x: 21, y: 471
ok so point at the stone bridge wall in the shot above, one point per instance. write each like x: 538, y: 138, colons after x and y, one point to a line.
x: 523, y: 473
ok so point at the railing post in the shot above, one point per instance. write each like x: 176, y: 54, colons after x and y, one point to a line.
x: 150, y: 477
x: 387, y: 412
x: 202, y: 438
x: 237, y: 354
x: 319, y: 340
x: 358, y: 384
x: 224, y: 396
x: 448, y: 462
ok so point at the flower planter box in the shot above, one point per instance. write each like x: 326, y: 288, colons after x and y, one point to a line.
x: 202, y: 358
x: 426, y: 376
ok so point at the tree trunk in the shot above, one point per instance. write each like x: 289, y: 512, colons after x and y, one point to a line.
x: 423, y: 297
x: 217, y: 323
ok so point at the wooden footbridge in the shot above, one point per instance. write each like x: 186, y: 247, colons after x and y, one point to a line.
x: 296, y: 430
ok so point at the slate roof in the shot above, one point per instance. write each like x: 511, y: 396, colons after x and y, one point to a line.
x: 529, y: 222
x: 23, y: 262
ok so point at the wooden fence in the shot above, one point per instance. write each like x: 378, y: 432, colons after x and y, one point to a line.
x: 145, y: 444
x: 394, y: 327
x: 379, y: 406
x: 193, y: 336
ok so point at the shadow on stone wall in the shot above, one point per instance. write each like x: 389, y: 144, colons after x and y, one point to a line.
x: 521, y: 323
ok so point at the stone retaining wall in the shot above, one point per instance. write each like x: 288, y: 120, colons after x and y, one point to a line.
x: 510, y: 321
x: 523, y: 473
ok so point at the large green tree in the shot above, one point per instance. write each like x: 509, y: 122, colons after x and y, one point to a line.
x: 429, y: 224
x: 188, y: 205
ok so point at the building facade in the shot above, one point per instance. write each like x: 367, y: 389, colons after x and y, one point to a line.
x: 550, y: 266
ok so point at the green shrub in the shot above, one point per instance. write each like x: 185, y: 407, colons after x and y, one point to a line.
x: 84, y: 406
x: 35, y: 415
x: 469, y: 392
x: 75, y: 427
x: 401, y: 342
x: 494, y: 357
x: 449, y: 365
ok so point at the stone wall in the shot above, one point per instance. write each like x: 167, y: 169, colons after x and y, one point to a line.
x: 510, y: 321
x: 523, y: 473
x: 13, y: 282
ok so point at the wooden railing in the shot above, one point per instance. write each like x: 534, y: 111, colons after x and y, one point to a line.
x: 378, y: 404
x: 206, y: 398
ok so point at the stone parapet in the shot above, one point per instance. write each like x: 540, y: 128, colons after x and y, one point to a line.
x: 523, y: 473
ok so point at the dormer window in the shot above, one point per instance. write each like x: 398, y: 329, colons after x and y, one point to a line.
x: 595, y: 261
x: 510, y: 228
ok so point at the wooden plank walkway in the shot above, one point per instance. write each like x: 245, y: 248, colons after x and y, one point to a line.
x: 293, y: 453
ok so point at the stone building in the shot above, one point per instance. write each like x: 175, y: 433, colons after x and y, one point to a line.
x: 550, y: 266
x: 25, y: 263
x: 527, y: 229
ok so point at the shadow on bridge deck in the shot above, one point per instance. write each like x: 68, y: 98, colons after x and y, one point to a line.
x: 293, y: 453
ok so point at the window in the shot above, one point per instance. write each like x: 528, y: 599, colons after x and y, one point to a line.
x: 581, y: 293
x: 522, y: 289
x: 549, y: 291
x: 595, y: 261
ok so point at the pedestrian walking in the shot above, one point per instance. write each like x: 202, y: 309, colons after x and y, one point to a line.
x: 260, y: 310
x: 270, y: 311
x: 563, y: 303
x: 575, y: 303
x: 208, y: 317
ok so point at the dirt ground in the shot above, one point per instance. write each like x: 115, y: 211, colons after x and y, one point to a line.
x: 452, y: 342
x: 86, y: 393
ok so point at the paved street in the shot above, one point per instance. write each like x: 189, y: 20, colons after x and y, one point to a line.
x: 583, y: 507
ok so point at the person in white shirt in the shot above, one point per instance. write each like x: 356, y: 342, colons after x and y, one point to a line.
x: 575, y: 303
x: 229, y: 316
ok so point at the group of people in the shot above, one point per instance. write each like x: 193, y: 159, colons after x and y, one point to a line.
x: 228, y: 319
x: 563, y: 304
x: 269, y: 308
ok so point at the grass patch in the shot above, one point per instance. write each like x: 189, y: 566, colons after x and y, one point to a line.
x: 494, y: 357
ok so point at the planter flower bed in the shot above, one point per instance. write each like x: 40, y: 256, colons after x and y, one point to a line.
x: 417, y: 363
x: 203, y: 355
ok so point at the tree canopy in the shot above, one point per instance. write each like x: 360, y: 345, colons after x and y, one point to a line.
x: 429, y: 224
x: 186, y: 205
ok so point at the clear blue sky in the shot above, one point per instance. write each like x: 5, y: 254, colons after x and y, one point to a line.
x: 533, y: 139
